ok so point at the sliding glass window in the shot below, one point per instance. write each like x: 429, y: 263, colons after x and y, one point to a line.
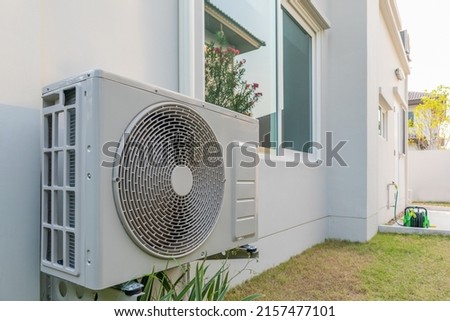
x: 275, y: 49
x: 249, y: 28
x: 297, y: 86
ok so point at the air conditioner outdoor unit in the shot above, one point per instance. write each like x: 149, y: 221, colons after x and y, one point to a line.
x: 137, y: 179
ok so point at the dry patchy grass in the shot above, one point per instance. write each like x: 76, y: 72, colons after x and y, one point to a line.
x: 389, y: 267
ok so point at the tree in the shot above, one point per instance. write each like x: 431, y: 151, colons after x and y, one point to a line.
x: 432, y: 119
x: 224, y: 78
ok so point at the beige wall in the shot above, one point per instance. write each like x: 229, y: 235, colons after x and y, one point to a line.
x: 20, y: 53
x: 429, y: 175
x: 134, y: 38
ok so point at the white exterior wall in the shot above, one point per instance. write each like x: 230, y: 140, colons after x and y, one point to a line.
x: 358, y: 195
x: 292, y: 210
x: 137, y: 39
x: 428, y: 175
x: 374, y: 42
x: 391, y: 161
x: 346, y: 117
x: 292, y: 217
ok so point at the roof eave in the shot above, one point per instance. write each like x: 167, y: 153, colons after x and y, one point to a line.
x: 234, y: 32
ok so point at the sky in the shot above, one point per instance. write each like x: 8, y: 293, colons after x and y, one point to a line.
x: 428, y: 24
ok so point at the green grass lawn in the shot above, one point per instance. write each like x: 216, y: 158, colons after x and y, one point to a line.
x: 389, y: 267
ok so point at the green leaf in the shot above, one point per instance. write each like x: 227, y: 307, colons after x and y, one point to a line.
x: 252, y: 297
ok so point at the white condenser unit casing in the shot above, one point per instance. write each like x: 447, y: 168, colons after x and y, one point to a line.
x: 137, y: 179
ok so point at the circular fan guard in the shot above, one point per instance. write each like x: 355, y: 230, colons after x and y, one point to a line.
x: 161, y: 141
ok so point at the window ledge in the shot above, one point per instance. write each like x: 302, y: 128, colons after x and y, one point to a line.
x: 383, y: 101
x: 290, y: 157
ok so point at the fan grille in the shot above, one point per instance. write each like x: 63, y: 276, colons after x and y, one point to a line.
x: 158, y: 143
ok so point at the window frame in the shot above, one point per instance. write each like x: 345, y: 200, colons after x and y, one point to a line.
x: 382, y: 120
x: 296, y: 10
x: 305, y: 14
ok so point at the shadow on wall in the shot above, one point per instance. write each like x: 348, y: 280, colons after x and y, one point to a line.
x: 19, y: 203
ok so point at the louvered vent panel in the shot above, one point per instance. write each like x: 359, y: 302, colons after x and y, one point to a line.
x: 70, y: 251
x: 71, y: 126
x: 168, y: 194
x: 71, y: 165
x: 71, y: 209
x: 59, y: 212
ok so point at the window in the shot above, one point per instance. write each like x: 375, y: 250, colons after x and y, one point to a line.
x: 297, y: 85
x: 382, y: 122
x: 402, y: 133
x: 250, y: 26
x: 411, y: 116
x: 283, y: 65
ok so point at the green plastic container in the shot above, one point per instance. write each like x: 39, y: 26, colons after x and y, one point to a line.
x: 416, y: 216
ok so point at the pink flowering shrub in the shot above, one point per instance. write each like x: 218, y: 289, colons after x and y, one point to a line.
x: 224, y: 80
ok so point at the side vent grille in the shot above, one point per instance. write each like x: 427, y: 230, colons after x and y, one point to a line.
x: 71, y: 122
x: 70, y: 252
x: 59, y: 196
x: 71, y: 167
x: 71, y: 209
x: 70, y: 96
x: 244, y: 178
